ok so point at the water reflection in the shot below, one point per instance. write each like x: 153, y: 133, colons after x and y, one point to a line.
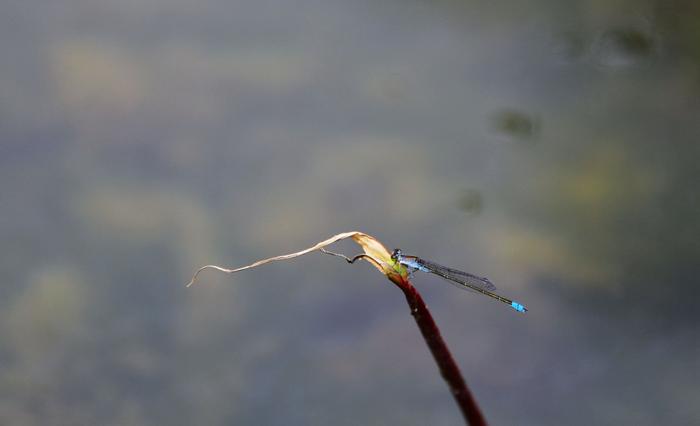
x: 625, y: 47
x: 471, y: 201
x: 516, y: 124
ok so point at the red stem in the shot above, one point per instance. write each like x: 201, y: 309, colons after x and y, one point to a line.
x: 447, y: 365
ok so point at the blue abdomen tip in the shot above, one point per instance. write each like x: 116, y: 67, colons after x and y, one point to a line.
x: 518, y: 307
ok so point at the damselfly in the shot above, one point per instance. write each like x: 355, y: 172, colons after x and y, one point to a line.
x: 456, y: 277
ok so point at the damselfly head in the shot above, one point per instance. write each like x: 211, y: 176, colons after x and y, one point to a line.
x: 396, y: 254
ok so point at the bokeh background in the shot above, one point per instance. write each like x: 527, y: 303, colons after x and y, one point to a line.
x: 552, y: 146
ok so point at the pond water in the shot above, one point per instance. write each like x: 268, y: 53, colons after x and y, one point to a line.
x: 551, y: 147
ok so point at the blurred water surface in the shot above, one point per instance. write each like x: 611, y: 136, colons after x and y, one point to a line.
x: 550, y: 146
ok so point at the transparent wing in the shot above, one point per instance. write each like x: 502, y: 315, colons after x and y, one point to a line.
x: 459, y: 278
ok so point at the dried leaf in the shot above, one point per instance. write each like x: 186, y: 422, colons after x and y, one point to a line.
x: 375, y: 253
